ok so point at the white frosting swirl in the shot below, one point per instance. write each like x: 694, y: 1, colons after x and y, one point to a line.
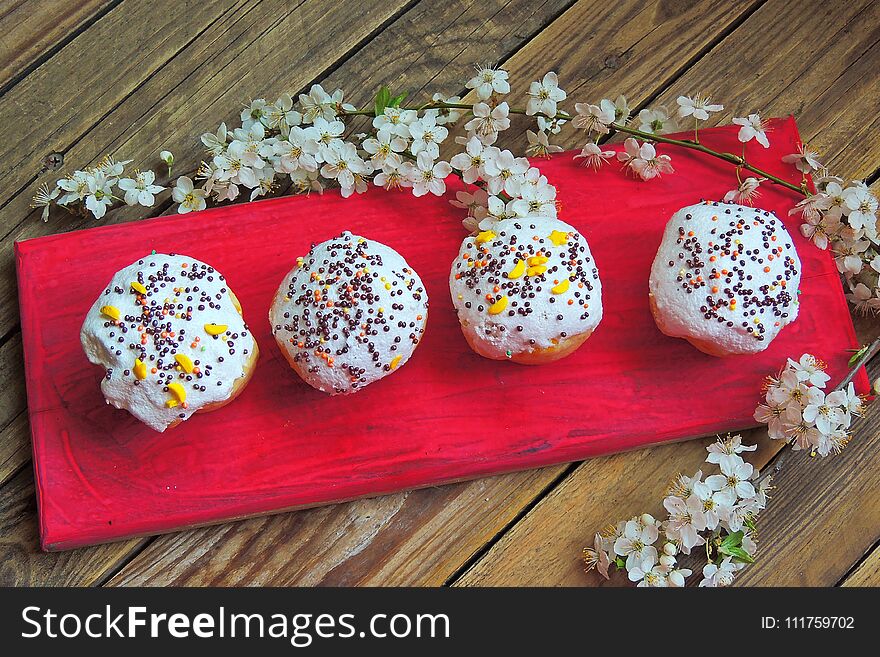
x: 156, y: 329
x: 349, y: 313
x: 525, y: 284
x: 726, y: 274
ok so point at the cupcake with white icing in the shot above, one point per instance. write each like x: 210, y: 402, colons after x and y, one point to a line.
x: 527, y: 290
x: 170, y: 336
x: 725, y: 278
x: 351, y: 312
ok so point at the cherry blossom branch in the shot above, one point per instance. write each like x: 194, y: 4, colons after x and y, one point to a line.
x: 692, y: 144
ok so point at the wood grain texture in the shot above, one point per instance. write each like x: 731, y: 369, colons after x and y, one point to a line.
x: 867, y: 573
x: 158, y: 564
x: 544, y: 547
x: 31, y: 29
x: 14, y: 445
x: 259, y: 48
x: 22, y: 563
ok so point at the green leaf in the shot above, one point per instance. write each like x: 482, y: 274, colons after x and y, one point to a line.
x: 858, y: 354
x: 739, y: 553
x: 620, y: 563
x: 383, y: 97
x: 398, y: 99
x: 731, y: 541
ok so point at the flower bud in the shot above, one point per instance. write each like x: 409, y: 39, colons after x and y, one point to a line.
x: 647, y: 519
x: 167, y: 157
x: 667, y: 561
x: 676, y: 579
x: 670, y: 549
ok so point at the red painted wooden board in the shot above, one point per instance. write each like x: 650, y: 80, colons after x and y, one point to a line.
x: 447, y: 415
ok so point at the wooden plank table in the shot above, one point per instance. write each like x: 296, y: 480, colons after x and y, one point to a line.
x: 170, y: 70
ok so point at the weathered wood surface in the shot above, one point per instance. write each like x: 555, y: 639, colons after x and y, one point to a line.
x: 533, y: 524
x: 32, y: 30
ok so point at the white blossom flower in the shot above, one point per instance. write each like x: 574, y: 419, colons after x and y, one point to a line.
x: 722, y: 449
x: 544, y: 95
x: 773, y: 415
x: 862, y: 206
x: 394, y: 175
x: 385, y: 147
x: 594, y: 156
x: 553, y: 126
x: 396, y: 121
x: 677, y: 577
x: 428, y: 176
x: 113, y: 169
x: 504, y: 172
x: 140, y: 189
x: 539, y: 144
x: 619, y: 108
x: 298, y: 151
x: 648, y: 573
x: 305, y: 182
x: 734, y: 478
x: 597, y: 557
x: 848, y: 255
x: 470, y: 163
x: 43, y: 199
x: 815, y: 229
x: 809, y: 369
x: 686, y: 521
x: 100, y: 193
x: 342, y: 162
x: 189, y: 198
x: 265, y: 182
x: 489, y: 121
x: 718, y: 576
x: 824, y: 411
x: 489, y: 81
x: 593, y: 118
x: 427, y: 136
x: 216, y: 142
x: 637, y: 543
x: 716, y: 498
x: 746, y: 192
x: 656, y: 121
x: 76, y: 186
x: 536, y: 200
x: 753, y: 127
x: 864, y: 299
x: 643, y: 160
x: 813, y: 205
x: 696, y: 106
x: 281, y: 115
x: 318, y: 103
x: 805, y: 160
x: 447, y: 115
x: 256, y: 112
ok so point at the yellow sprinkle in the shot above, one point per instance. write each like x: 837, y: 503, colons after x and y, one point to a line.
x: 518, y: 270
x: 562, y: 287
x: 137, y: 287
x: 171, y: 403
x: 536, y: 270
x: 177, y: 391
x: 387, y: 286
x: 381, y: 310
x: 110, y: 311
x: 558, y: 237
x: 215, y: 329
x: 485, y: 236
x: 537, y: 260
x: 499, y: 306
x: 140, y: 369
x: 184, y: 361
x: 395, y: 361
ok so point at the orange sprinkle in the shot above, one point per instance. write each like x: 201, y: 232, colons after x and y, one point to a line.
x: 690, y: 233
x: 712, y: 258
x: 714, y: 289
x: 154, y: 370
x: 570, y: 302
x: 767, y: 270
